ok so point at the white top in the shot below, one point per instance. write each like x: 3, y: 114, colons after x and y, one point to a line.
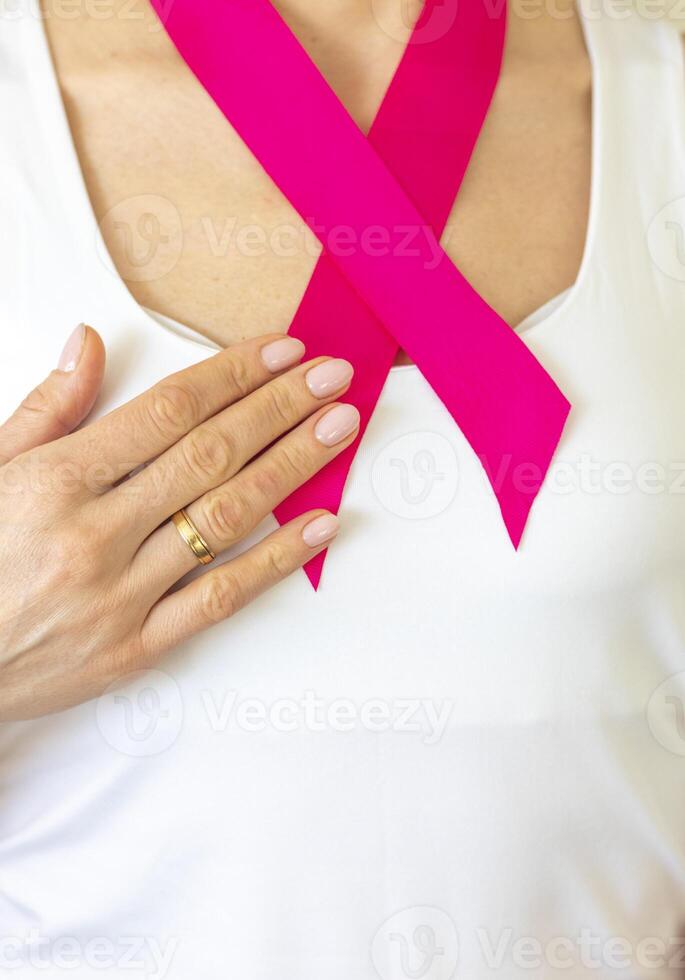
x: 453, y: 748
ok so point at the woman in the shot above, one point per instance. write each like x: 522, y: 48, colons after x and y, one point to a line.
x: 452, y: 753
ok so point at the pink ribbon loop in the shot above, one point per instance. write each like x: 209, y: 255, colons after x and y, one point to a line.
x: 373, y: 294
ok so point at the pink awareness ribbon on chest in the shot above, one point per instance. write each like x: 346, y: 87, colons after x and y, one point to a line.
x: 391, y: 194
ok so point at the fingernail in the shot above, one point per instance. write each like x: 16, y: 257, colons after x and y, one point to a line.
x: 337, y: 424
x: 319, y: 530
x: 329, y: 377
x: 71, y: 353
x: 282, y: 353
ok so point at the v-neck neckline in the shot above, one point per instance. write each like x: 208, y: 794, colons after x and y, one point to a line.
x: 536, y: 321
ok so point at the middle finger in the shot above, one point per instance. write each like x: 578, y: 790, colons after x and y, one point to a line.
x: 228, y: 514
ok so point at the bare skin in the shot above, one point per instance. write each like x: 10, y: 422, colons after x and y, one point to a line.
x: 517, y: 228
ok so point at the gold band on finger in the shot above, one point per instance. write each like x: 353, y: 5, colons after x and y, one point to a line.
x: 192, y: 537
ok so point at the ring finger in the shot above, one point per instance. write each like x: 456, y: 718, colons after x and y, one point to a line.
x: 228, y: 513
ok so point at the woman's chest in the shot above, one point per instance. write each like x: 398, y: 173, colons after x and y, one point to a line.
x: 200, y: 233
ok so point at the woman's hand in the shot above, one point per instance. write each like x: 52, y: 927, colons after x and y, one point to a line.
x: 87, y: 552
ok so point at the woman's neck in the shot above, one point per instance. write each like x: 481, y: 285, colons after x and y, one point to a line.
x: 357, y: 44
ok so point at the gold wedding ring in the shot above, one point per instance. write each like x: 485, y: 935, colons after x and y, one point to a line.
x: 192, y: 537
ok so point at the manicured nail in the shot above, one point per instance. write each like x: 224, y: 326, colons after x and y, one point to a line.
x: 327, y: 378
x: 71, y: 353
x: 320, y: 530
x: 337, y: 424
x: 283, y: 353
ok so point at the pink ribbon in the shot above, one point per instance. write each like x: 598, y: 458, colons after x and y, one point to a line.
x: 383, y: 282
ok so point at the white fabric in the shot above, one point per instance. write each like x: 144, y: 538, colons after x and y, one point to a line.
x: 497, y: 753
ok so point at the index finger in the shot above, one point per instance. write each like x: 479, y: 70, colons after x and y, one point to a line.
x: 155, y: 420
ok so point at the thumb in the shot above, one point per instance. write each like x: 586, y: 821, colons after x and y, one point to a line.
x: 62, y: 400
